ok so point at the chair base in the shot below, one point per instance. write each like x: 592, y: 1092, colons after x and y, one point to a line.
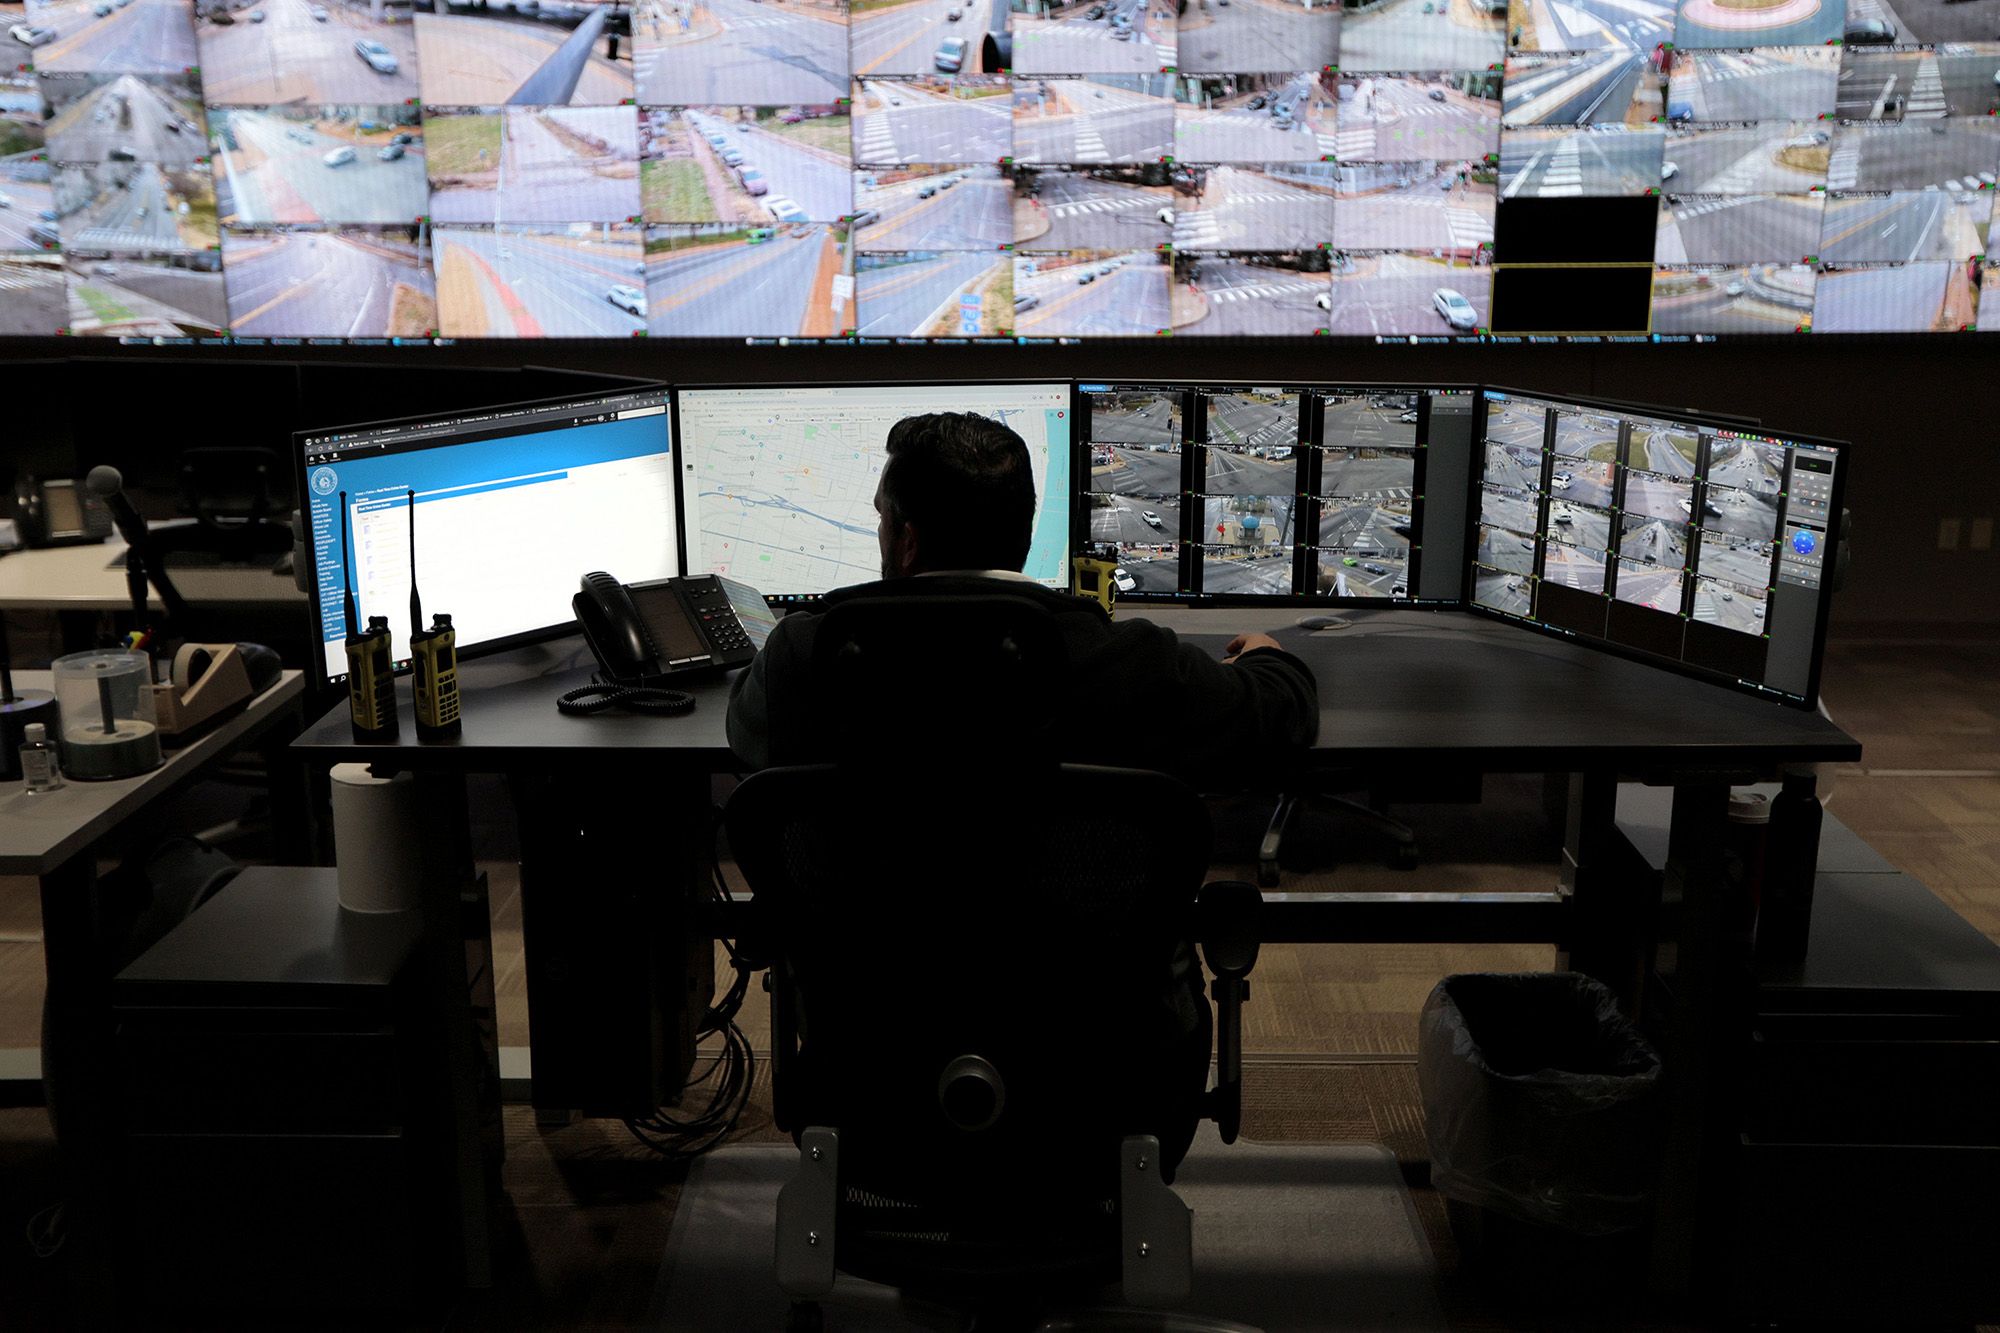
x: 1403, y: 853
x: 1156, y: 1232
x: 1290, y: 1238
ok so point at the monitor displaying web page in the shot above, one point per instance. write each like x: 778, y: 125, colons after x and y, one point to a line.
x: 513, y: 505
x: 1682, y: 538
x: 778, y: 482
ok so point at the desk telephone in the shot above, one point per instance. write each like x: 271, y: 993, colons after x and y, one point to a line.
x: 645, y: 635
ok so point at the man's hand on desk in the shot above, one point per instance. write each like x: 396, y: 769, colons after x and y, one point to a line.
x: 1243, y: 643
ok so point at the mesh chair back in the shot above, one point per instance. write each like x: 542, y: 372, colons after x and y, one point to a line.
x: 946, y: 914
x: 939, y: 679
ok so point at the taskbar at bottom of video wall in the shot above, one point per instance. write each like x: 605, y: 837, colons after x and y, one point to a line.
x: 788, y: 341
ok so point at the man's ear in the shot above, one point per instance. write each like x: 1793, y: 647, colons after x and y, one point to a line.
x: 904, y: 549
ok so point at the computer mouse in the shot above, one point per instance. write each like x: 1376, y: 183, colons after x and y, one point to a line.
x: 1322, y: 622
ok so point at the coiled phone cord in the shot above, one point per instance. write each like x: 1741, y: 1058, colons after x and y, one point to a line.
x: 650, y: 699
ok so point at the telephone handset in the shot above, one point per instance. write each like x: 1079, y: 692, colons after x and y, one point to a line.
x: 647, y: 634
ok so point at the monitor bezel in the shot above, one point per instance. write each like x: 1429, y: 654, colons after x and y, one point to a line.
x: 791, y: 600
x: 1706, y: 421
x: 321, y: 677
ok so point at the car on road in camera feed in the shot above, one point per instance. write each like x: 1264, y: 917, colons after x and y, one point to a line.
x: 376, y: 56
x: 1454, y: 308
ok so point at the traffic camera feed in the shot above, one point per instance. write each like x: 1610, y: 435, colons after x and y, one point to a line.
x: 1147, y: 418
x: 1363, y: 547
x: 125, y: 118
x: 1318, y: 170
x: 533, y: 164
x: 141, y: 295
x: 970, y: 206
x: 339, y: 164
x: 1090, y: 208
x: 761, y: 165
x: 372, y: 282
x: 933, y: 294
x: 1660, y: 537
x: 1226, y: 294
x: 1275, y: 206
x: 1134, y: 520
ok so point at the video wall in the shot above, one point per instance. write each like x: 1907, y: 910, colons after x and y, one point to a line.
x: 1023, y: 170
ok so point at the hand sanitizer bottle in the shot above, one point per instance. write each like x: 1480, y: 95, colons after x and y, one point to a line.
x: 39, y: 762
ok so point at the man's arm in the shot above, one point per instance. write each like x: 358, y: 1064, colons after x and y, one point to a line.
x: 1259, y: 695
x: 1278, y: 695
x: 749, y: 725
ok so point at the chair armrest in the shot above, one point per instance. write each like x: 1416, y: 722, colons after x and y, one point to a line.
x: 1226, y: 923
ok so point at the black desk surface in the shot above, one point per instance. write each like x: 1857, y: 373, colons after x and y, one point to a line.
x: 1402, y: 689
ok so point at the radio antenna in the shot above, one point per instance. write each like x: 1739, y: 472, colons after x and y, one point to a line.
x: 416, y: 603
x: 347, y: 569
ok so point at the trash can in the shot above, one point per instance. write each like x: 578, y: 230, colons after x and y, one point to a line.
x: 1542, y: 1113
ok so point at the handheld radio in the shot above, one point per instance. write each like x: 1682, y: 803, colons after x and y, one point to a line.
x: 371, y: 680
x: 433, y: 659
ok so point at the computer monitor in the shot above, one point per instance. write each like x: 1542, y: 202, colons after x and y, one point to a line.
x: 1322, y: 492
x: 778, y: 481
x: 1249, y: 466
x: 1384, y: 485
x: 513, y: 506
x: 1136, y: 481
x: 1681, y: 538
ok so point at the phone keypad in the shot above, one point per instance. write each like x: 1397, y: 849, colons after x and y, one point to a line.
x: 723, y: 630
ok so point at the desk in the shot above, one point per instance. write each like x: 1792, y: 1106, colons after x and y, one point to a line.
x: 1401, y: 691
x: 57, y: 837
x: 92, y: 579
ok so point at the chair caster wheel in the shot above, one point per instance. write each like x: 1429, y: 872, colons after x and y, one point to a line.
x: 1405, y: 858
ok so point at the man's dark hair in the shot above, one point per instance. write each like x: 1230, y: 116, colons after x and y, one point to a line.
x: 963, y: 480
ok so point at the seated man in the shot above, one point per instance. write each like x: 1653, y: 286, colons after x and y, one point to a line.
x: 957, y: 507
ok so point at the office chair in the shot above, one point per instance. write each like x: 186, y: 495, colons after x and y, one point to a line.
x: 978, y: 957
x: 1320, y: 790
x: 235, y: 496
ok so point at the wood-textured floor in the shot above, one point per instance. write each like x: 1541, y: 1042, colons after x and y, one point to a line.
x: 1330, y: 1033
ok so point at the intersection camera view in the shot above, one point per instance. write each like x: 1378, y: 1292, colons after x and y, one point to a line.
x: 1133, y: 494
x: 1701, y: 544
x: 1002, y: 170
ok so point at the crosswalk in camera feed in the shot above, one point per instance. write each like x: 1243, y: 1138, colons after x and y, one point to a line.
x: 944, y: 171
x: 1133, y: 496
x: 1658, y: 535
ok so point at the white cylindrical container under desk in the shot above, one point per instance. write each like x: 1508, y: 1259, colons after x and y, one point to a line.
x: 375, y: 840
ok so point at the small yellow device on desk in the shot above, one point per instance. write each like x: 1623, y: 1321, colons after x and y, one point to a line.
x: 1094, y: 568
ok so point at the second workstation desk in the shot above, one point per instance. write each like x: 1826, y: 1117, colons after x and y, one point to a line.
x: 615, y: 824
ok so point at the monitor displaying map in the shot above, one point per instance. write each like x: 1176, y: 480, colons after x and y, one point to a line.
x: 778, y: 484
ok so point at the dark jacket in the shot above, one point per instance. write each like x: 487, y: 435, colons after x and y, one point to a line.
x: 1138, y: 697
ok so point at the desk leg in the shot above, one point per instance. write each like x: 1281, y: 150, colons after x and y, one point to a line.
x: 1611, y: 914
x: 79, y: 1080
x: 458, y: 942
x: 1712, y: 993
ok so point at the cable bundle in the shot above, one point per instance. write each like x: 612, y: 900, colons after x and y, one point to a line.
x: 732, y: 1073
